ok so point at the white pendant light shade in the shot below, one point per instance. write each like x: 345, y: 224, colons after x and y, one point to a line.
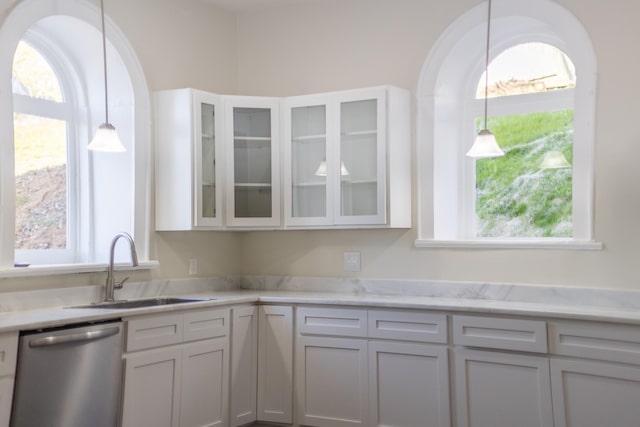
x: 322, y: 169
x: 485, y: 146
x: 106, y: 140
x: 554, y: 160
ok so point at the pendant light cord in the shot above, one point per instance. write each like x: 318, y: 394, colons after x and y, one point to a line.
x: 486, y: 66
x: 104, y: 59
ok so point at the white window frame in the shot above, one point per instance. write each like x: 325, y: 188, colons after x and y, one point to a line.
x: 65, y: 111
x: 134, y: 110
x: 447, y: 86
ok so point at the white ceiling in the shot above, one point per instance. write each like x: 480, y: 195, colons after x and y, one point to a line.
x: 241, y: 6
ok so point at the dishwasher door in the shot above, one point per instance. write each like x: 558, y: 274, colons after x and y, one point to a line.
x: 69, y: 377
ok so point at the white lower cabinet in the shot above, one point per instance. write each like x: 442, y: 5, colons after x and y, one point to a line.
x: 244, y: 365
x: 8, y: 356
x: 332, y: 381
x: 604, y: 391
x: 595, y: 394
x: 495, y: 389
x: 203, y: 401
x: 360, y: 374
x: 275, y: 364
x: 152, y: 388
x: 177, y: 384
x: 408, y: 385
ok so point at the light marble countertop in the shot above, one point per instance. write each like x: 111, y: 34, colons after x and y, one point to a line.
x: 44, y: 317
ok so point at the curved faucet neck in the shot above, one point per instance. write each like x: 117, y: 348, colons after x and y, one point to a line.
x: 110, y: 285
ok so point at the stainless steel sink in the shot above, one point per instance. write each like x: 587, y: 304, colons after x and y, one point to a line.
x: 140, y: 303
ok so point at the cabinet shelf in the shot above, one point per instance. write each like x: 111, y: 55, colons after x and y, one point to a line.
x: 360, y: 133
x: 239, y: 185
x: 252, y: 138
x: 309, y: 184
x: 309, y: 138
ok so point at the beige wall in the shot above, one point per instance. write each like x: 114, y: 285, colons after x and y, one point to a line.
x: 339, y: 44
x: 342, y: 44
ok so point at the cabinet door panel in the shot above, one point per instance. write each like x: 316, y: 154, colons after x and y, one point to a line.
x: 308, y: 162
x: 244, y: 365
x: 332, y: 382
x: 208, y: 155
x: 502, y: 390
x: 253, y: 161
x: 151, y: 388
x: 275, y: 364
x: 6, y: 395
x: 204, y: 383
x: 362, y: 182
x: 409, y: 385
x: 595, y: 394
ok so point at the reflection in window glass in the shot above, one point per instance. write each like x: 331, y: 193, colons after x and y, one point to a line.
x: 33, y: 76
x: 521, y: 194
x: 528, y: 68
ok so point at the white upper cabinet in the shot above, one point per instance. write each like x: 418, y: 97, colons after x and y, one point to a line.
x: 253, y: 161
x: 189, y: 156
x: 308, y: 162
x: 347, y: 159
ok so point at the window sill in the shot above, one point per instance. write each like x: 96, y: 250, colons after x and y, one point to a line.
x: 44, y: 270
x: 562, y: 244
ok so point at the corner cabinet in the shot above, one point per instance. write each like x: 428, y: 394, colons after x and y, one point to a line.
x: 341, y: 160
x: 347, y: 159
x: 189, y: 156
x: 253, y: 161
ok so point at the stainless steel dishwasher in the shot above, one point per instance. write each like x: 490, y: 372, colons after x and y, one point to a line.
x: 69, y: 377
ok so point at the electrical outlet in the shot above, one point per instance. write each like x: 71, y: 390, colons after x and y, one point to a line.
x: 352, y: 261
x: 193, y: 267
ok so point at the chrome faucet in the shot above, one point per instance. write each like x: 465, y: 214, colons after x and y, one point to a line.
x: 111, y: 284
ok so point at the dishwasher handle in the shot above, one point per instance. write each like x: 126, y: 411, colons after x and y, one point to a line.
x: 73, y: 338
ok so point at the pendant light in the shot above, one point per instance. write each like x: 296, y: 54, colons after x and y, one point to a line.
x: 554, y: 160
x: 106, y: 138
x: 485, y: 145
x: 322, y: 169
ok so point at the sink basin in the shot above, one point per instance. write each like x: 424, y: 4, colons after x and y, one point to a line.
x: 140, y: 303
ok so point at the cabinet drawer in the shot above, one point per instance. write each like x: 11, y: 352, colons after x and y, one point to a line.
x: 155, y: 331
x: 332, y: 321
x: 8, y: 353
x: 500, y: 333
x: 408, y: 326
x: 204, y: 324
x: 616, y: 343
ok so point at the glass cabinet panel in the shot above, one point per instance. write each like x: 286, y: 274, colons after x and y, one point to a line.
x: 208, y: 161
x: 309, y: 162
x: 359, y: 158
x: 252, y: 162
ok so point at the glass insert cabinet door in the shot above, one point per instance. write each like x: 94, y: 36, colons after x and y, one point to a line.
x: 362, y: 178
x: 309, y: 164
x: 253, y: 198
x: 207, y: 112
x: 208, y: 193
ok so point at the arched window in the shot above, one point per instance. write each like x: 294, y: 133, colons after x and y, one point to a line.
x: 542, y: 78
x: 528, y: 192
x: 44, y: 144
x: 60, y: 203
